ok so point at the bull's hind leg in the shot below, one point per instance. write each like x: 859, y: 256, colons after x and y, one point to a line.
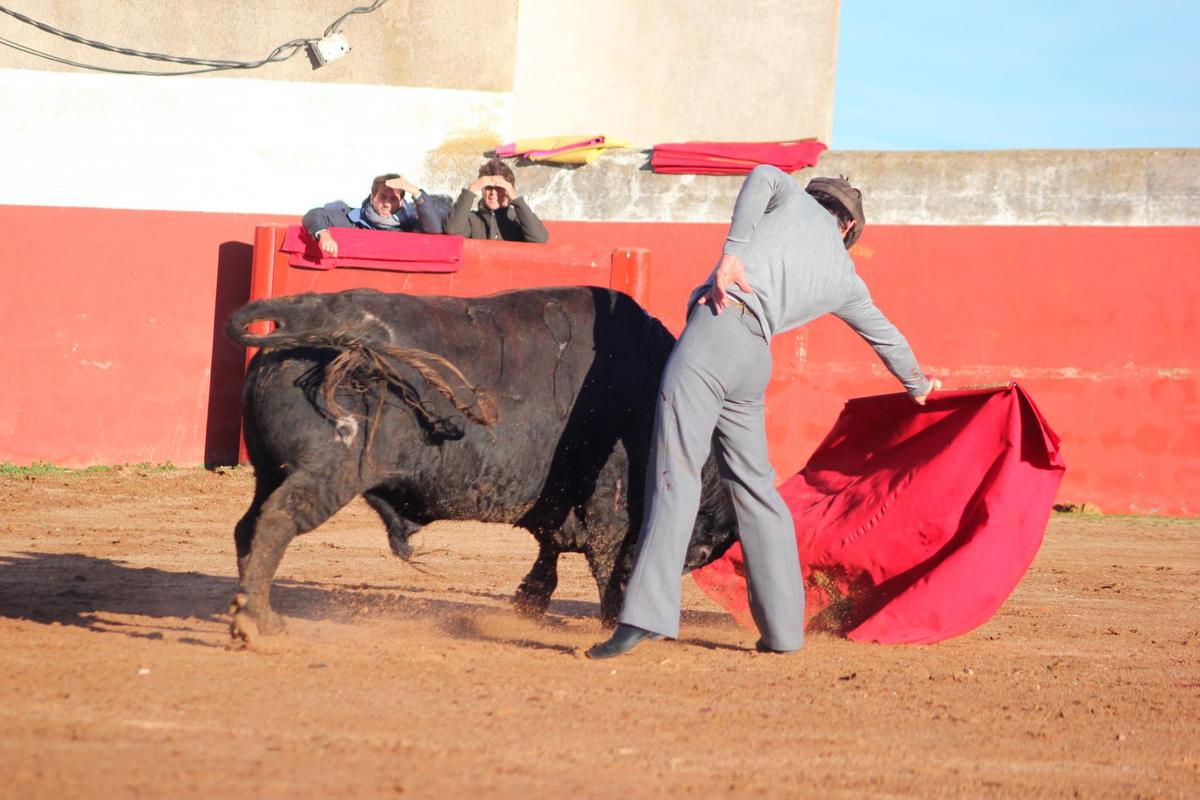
x: 265, y: 482
x: 399, y: 527
x: 302, y: 502
x: 533, y: 595
x: 609, y: 580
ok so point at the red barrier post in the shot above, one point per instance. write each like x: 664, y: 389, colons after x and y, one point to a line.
x: 631, y: 273
x: 267, y: 239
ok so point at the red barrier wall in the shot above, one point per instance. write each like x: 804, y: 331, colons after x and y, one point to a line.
x: 114, y: 353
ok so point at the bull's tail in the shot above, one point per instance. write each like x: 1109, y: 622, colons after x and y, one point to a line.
x: 364, y: 359
x: 288, y: 316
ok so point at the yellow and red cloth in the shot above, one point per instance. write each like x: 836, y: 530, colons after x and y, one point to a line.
x: 561, y: 149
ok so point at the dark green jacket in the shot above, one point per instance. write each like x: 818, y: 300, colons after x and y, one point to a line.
x: 516, y: 223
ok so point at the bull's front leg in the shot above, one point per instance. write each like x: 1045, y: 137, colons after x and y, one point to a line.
x: 533, y: 595
x: 399, y: 528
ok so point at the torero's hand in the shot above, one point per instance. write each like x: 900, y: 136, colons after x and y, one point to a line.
x: 730, y: 272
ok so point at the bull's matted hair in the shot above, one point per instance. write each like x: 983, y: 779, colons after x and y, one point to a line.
x: 365, y: 364
x: 497, y: 167
x: 380, y: 180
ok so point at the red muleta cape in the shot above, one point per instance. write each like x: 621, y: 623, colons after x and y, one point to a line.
x: 914, y: 523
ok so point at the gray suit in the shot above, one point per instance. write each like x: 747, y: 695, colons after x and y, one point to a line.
x: 715, y: 380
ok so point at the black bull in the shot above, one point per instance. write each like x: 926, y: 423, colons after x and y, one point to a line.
x: 531, y: 407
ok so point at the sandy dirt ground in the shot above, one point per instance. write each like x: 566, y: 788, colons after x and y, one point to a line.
x: 116, y: 679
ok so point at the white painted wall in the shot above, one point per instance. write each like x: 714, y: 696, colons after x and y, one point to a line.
x: 226, y: 145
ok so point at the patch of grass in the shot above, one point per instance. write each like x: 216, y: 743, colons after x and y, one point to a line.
x: 47, y: 468
x: 146, y: 466
x: 36, y: 468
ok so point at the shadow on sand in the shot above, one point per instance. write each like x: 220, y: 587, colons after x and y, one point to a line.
x: 93, y: 593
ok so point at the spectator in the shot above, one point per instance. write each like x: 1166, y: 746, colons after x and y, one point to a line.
x: 385, y: 209
x: 502, y: 213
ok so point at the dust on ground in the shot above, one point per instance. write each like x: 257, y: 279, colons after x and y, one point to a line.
x: 422, y: 682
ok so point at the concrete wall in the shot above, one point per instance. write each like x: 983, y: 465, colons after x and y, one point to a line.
x: 417, y: 43
x: 671, y: 70
x: 1019, y: 187
x: 1028, y: 187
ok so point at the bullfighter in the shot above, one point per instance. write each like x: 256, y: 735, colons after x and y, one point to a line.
x: 784, y: 263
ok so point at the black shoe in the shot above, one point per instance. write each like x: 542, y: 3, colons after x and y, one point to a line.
x: 624, y: 639
x: 761, y: 647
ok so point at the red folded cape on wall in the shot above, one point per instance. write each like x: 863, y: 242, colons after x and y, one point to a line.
x: 368, y: 249
x: 914, y: 523
x: 733, y: 158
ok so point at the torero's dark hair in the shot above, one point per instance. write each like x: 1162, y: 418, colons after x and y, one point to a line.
x: 835, y: 208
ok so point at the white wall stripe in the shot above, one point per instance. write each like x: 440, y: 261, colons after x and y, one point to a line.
x: 223, y: 145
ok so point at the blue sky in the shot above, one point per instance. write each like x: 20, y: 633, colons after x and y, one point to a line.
x: 967, y: 75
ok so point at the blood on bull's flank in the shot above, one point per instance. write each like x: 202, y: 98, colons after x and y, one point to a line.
x: 531, y: 407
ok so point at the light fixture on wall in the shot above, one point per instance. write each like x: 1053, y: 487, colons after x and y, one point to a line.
x: 327, y: 49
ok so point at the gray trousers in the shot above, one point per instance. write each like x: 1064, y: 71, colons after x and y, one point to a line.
x: 715, y: 380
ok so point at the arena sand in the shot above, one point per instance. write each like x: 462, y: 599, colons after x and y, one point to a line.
x: 116, y: 678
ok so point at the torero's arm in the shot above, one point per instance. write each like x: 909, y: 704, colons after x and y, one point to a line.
x: 861, y: 314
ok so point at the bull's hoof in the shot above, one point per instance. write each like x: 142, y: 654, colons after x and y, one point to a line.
x: 529, y: 604
x: 243, y: 631
x: 400, y: 548
x: 609, y: 613
x: 246, y: 628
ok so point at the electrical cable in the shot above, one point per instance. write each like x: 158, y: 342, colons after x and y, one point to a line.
x: 360, y: 10
x: 207, y: 65
x: 298, y: 43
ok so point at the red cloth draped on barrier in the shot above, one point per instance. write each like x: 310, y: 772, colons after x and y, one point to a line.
x: 369, y: 249
x: 914, y: 523
x: 733, y: 158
